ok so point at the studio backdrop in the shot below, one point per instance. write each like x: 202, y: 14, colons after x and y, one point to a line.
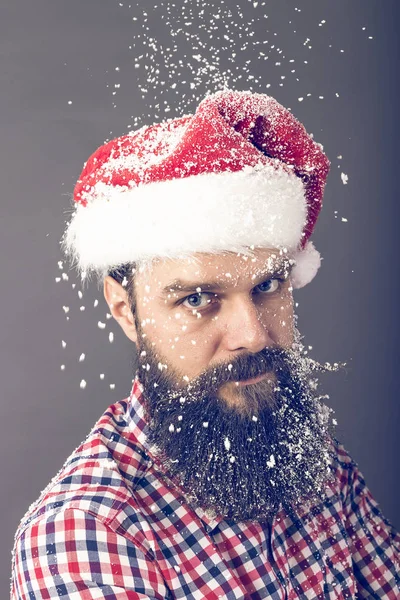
x: 75, y: 73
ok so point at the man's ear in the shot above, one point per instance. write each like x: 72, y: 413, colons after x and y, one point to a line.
x: 117, y: 299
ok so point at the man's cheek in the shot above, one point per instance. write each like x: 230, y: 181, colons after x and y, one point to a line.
x: 178, y: 328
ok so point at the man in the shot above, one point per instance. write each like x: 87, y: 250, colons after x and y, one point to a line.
x: 219, y: 476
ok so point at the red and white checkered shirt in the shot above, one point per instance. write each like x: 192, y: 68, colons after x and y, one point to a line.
x: 111, y: 526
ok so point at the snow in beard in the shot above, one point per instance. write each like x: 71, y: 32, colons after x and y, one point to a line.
x: 241, y: 465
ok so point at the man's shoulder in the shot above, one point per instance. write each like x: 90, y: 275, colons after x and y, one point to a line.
x: 343, y: 467
x: 342, y: 462
x: 101, y: 474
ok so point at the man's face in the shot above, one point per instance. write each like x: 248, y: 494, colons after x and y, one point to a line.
x: 231, y: 406
x: 209, y: 310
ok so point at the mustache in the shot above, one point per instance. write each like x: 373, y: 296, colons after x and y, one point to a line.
x: 271, y: 359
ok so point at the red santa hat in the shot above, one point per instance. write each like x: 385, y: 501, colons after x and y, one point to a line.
x: 241, y: 172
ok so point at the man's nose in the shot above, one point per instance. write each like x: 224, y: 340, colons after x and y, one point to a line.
x: 246, y: 329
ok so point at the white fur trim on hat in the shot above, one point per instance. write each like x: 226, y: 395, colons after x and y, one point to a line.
x: 212, y: 212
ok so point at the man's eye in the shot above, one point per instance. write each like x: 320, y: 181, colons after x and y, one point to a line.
x: 199, y: 300
x: 269, y: 286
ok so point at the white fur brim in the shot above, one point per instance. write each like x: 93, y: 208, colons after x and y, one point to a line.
x: 257, y: 206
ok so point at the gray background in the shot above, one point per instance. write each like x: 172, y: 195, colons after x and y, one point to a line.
x: 59, y: 51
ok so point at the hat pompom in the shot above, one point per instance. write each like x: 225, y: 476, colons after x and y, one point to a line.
x: 308, y: 261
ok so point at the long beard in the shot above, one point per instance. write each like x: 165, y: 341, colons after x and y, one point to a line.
x: 242, y: 464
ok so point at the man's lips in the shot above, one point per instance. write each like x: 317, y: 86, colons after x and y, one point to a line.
x: 251, y: 381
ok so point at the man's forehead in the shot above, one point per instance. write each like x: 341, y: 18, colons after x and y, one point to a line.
x: 222, y: 267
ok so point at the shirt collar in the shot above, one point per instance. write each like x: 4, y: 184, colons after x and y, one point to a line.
x: 136, y: 414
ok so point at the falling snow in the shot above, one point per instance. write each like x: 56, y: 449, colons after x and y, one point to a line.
x: 191, y: 47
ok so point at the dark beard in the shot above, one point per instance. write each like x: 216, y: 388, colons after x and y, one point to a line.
x: 242, y: 464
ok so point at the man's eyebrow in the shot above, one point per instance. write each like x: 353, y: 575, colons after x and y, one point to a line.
x: 179, y: 285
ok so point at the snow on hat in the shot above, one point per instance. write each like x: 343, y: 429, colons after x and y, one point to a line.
x: 241, y: 172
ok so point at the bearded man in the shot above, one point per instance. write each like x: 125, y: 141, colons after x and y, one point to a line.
x: 219, y: 476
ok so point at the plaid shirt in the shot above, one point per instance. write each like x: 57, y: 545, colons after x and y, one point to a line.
x: 111, y: 525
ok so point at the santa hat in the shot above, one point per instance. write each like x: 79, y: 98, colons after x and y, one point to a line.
x: 241, y: 172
